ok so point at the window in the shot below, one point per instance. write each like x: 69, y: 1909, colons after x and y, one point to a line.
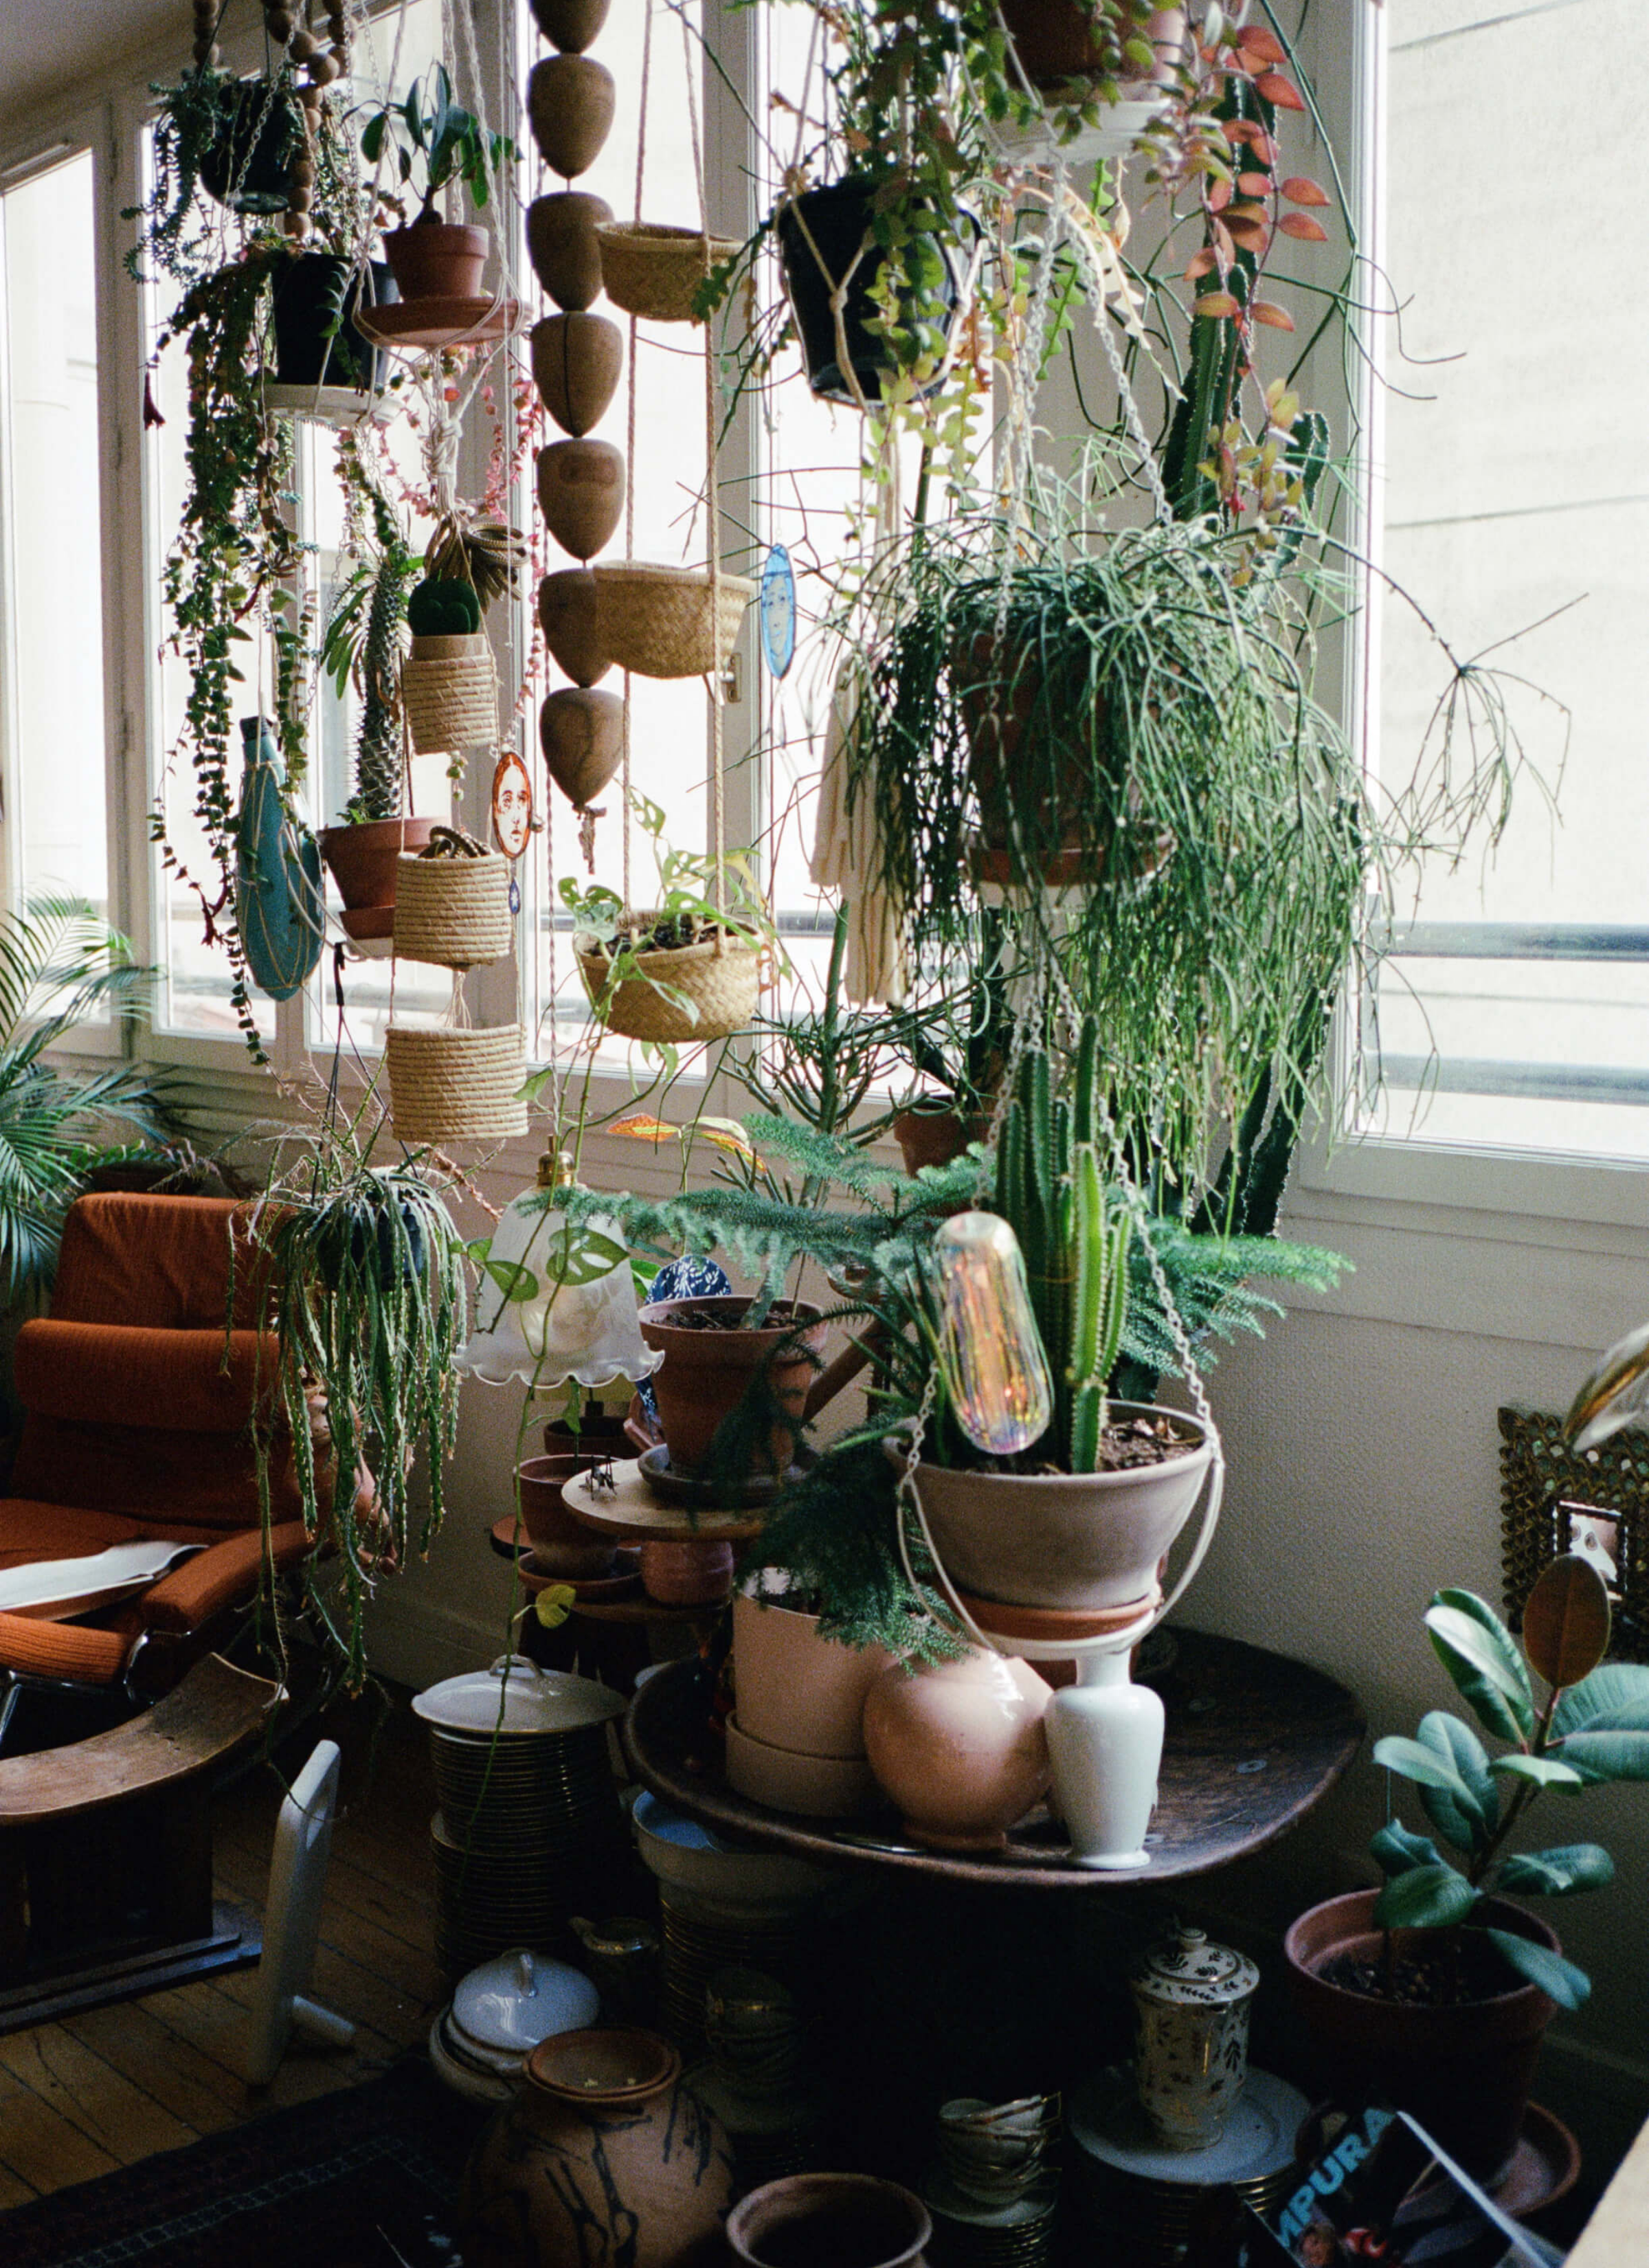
x: 1508, y: 488
x: 51, y: 571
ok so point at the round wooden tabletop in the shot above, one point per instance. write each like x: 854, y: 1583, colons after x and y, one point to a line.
x: 1254, y: 1739
x: 629, y: 1510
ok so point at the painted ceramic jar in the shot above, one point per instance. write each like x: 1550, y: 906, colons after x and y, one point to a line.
x: 1191, y: 2001
x: 603, y: 2159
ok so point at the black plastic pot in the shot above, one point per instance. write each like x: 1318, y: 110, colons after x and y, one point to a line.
x: 248, y: 165
x: 309, y: 296
x: 836, y: 219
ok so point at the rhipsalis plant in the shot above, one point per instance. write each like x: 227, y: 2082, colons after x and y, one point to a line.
x: 1592, y: 1725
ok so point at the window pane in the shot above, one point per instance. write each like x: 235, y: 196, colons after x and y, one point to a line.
x: 1509, y: 489
x: 54, y: 548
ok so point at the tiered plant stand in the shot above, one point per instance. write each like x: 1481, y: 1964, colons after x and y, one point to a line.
x: 1254, y: 1741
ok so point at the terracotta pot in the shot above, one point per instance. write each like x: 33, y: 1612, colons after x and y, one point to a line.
x: 829, y: 2221
x: 1053, y: 40
x: 577, y: 363
x: 959, y: 1747
x: 690, y: 1574
x: 604, y: 2160
x: 581, y: 494
x: 571, y: 24
x: 561, y: 1544
x: 706, y: 1373
x: 362, y: 861
x: 570, y: 103
x: 932, y: 1134
x: 596, y: 1437
x: 794, y: 1688
x: 581, y: 732
x: 568, y: 616
x: 1463, y: 2071
x: 561, y: 244
x: 437, y: 259
x: 1074, y: 1541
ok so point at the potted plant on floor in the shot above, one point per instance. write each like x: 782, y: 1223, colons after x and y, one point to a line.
x: 430, y: 143
x: 1434, y: 1992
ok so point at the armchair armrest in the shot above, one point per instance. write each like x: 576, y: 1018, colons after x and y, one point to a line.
x: 219, y: 1577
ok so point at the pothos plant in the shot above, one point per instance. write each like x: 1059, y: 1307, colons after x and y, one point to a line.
x: 1591, y: 1726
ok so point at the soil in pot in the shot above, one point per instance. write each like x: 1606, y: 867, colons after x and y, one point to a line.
x: 820, y: 237
x: 437, y: 259
x: 1463, y: 2067
x: 712, y: 1368
x: 316, y: 341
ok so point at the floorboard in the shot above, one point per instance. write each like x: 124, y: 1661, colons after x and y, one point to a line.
x: 108, y: 2087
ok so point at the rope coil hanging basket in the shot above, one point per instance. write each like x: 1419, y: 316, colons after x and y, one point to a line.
x: 714, y: 986
x: 655, y: 272
x: 449, y: 690
x: 452, y: 1087
x: 668, y: 622
x: 453, y: 912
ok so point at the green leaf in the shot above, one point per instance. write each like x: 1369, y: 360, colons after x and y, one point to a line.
x: 515, y: 1282
x: 1560, y: 1979
x: 372, y: 137
x: 1612, y: 1699
x: 1604, y: 1753
x: 1561, y: 1872
x: 1476, y: 1648
x: 1416, y: 1761
x: 1467, y: 1825
x: 1395, y: 1850
x: 1545, y: 1772
x: 1425, y: 1897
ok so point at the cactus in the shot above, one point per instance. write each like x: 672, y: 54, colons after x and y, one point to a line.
x: 442, y: 607
x: 378, y: 745
x: 1051, y: 1189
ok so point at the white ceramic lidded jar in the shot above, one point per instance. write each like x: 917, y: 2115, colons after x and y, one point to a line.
x: 1191, y: 2043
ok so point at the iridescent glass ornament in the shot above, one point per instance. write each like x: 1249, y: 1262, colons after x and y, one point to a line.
x: 990, y: 1351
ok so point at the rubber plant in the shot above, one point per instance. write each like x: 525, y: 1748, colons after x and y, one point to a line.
x: 368, y: 1304
x: 1590, y: 1726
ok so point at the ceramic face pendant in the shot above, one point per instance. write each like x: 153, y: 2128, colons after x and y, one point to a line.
x: 511, y: 814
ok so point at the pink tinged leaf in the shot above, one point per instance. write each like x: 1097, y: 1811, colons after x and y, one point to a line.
x: 1300, y: 189
x: 1260, y: 46
x: 1301, y: 225
x: 1268, y: 311
x: 1199, y: 263
x: 1278, y: 90
x: 1254, y: 185
x: 1215, y: 305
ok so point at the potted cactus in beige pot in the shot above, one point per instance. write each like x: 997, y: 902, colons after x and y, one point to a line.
x: 1434, y: 1992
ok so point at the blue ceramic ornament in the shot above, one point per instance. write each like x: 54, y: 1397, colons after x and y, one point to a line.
x: 278, y: 901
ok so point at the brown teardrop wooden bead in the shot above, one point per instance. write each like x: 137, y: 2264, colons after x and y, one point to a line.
x: 571, y: 100
x: 565, y: 251
x: 577, y: 363
x: 570, y: 25
x: 581, y: 494
x: 581, y: 732
x: 567, y: 615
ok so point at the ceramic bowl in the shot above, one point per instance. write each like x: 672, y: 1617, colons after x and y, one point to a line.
x: 687, y: 1856
x: 822, y: 1787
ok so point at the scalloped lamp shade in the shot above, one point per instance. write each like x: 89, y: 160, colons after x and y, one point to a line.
x: 548, y: 1309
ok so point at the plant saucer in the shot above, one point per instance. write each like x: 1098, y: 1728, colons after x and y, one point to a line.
x: 753, y: 1495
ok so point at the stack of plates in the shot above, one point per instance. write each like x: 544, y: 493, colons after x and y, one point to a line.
x: 529, y: 1830
x: 969, y: 2235
x: 696, y: 1945
x: 1184, y: 2204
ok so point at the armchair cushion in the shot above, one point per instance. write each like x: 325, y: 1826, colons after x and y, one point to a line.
x: 221, y: 1577
x: 159, y: 1261
x: 177, y: 1382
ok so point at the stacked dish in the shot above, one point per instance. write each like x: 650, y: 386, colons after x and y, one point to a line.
x: 499, y: 2014
x: 529, y: 1829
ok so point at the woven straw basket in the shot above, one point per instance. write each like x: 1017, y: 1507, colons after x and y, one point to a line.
x: 658, y: 622
x: 454, y: 912
x: 456, y: 1087
x: 721, y: 991
x: 450, y: 691
x: 653, y: 271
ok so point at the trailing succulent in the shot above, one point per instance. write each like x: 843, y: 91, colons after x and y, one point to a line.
x: 1592, y: 1726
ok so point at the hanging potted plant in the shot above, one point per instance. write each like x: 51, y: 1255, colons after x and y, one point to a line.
x: 1114, y: 46
x: 1434, y: 1993
x: 449, y: 681
x: 431, y: 143
x: 365, y: 639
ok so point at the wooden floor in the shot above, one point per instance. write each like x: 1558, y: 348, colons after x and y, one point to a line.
x: 96, y: 2092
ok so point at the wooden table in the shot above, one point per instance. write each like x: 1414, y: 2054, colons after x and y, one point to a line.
x: 1255, y: 1739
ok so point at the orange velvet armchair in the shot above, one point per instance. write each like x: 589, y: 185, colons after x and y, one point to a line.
x: 137, y: 1426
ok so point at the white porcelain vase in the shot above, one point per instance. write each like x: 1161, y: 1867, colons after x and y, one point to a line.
x: 1105, y: 1746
